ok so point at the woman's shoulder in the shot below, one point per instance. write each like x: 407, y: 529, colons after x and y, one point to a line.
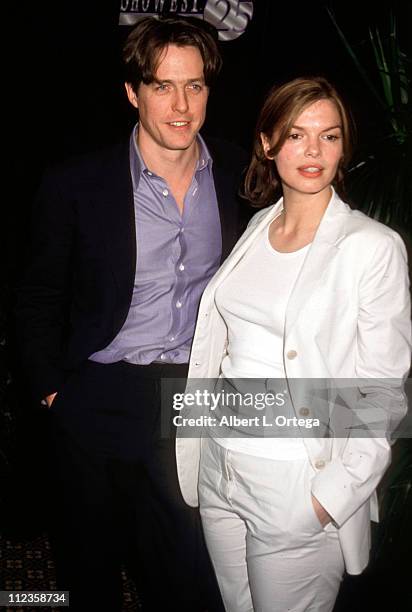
x: 365, y: 229
x: 260, y: 215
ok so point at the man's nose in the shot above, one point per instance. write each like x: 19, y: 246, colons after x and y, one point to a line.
x: 180, y: 101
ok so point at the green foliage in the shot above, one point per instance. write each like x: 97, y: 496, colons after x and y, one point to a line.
x: 380, y: 183
x: 379, y: 180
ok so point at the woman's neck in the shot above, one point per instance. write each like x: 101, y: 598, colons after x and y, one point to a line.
x: 302, y: 210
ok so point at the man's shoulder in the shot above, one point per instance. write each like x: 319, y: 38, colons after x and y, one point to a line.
x: 226, y: 154
x: 91, y: 165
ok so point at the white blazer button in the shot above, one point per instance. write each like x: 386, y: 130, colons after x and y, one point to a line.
x: 320, y: 464
x: 291, y: 354
x: 304, y: 411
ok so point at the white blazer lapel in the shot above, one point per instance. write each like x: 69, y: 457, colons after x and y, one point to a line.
x: 241, y: 247
x: 320, y: 255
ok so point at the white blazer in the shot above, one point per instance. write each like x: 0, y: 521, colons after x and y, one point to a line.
x: 348, y: 317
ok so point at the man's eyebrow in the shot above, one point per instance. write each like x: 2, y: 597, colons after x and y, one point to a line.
x: 191, y: 80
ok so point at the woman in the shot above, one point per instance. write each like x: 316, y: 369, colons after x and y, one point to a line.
x: 313, y: 290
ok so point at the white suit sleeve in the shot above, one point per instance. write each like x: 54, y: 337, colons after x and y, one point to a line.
x: 382, y: 362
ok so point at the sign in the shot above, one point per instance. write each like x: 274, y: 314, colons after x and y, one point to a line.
x: 229, y: 17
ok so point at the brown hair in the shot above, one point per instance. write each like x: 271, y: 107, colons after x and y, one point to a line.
x: 146, y: 42
x: 282, y: 106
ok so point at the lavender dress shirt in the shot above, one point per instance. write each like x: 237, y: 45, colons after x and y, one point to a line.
x: 176, y: 256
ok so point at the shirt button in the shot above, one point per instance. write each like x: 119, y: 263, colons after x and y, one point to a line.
x: 165, y: 192
x: 182, y: 229
x: 171, y: 338
x: 304, y: 411
x: 149, y: 173
x: 178, y: 304
x: 320, y: 464
x: 181, y: 267
x: 291, y: 354
x: 162, y: 356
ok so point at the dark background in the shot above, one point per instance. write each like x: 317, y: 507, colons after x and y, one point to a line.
x: 65, y: 95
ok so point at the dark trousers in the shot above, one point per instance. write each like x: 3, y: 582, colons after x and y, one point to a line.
x: 117, y: 498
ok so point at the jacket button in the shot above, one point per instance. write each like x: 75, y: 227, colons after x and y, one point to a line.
x: 304, y: 411
x: 291, y: 354
x: 320, y: 464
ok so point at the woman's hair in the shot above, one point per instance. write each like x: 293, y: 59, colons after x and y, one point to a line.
x: 280, y: 110
x: 145, y: 44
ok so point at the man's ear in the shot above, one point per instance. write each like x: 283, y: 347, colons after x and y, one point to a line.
x: 131, y: 95
x: 265, y: 144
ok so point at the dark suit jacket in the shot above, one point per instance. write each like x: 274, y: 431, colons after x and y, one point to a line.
x: 78, y: 288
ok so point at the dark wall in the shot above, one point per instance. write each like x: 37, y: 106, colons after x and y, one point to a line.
x: 66, y: 93
x: 66, y: 89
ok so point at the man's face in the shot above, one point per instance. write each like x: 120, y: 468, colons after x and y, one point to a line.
x: 172, y: 109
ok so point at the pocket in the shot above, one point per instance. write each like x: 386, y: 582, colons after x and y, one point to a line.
x: 310, y: 507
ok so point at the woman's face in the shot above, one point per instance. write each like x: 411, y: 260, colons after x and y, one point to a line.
x: 309, y: 158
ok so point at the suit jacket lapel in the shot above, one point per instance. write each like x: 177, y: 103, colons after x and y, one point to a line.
x: 117, y: 219
x: 226, y: 213
x: 321, y: 254
x: 242, y: 246
x: 227, y: 179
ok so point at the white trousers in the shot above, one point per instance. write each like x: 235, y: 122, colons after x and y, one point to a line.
x: 268, y: 548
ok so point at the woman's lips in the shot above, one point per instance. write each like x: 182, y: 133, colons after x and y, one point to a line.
x: 310, y: 171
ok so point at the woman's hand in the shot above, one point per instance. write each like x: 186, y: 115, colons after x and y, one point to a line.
x: 323, y: 516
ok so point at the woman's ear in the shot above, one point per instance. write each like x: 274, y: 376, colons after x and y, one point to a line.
x: 265, y: 144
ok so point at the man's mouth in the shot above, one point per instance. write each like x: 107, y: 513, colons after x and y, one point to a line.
x: 178, y: 123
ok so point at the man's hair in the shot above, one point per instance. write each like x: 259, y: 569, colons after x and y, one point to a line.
x: 150, y: 38
x: 282, y: 106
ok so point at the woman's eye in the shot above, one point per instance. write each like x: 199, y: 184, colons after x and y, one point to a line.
x: 331, y: 137
x: 294, y: 136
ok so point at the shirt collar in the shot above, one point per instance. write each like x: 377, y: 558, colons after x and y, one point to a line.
x: 138, y: 166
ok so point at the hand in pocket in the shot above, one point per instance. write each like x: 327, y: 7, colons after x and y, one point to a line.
x: 323, y: 516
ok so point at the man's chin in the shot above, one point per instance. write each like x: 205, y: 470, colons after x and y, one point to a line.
x: 183, y: 145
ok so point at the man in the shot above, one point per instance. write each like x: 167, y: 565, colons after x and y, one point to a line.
x: 125, y: 241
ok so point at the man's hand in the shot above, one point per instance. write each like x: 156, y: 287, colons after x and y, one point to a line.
x: 49, y: 399
x: 323, y: 516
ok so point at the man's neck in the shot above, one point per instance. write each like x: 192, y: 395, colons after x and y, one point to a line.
x: 176, y: 167
x: 168, y: 163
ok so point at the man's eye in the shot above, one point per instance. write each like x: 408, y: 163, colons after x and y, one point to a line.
x: 195, y: 87
x: 162, y: 87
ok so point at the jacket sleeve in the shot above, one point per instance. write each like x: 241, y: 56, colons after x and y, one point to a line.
x: 42, y: 295
x: 382, y: 363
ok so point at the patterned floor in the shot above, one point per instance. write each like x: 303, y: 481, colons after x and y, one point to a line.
x: 28, y: 566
